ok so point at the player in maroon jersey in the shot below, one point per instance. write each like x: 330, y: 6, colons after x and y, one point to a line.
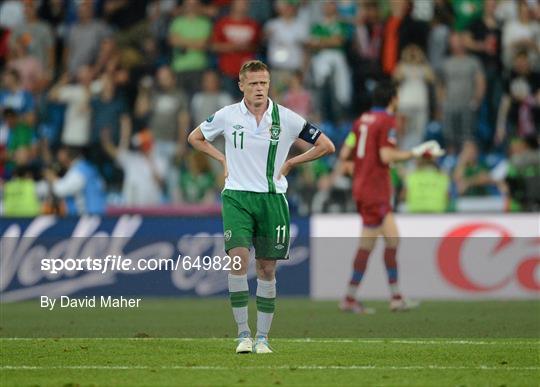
x: 372, y: 145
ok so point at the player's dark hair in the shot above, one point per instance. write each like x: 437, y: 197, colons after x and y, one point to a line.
x: 252, y: 66
x: 384, y: 93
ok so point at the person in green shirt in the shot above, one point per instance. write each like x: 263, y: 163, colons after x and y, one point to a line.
x: 427, y: 188
x: 189, y: 35
x: 20, y: 196
x: 329, y: 63
x: 197, y: 181
x: 471, y: 176
x: 21, y: 147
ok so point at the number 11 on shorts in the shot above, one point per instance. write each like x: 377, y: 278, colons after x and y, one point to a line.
x: 281, y: 234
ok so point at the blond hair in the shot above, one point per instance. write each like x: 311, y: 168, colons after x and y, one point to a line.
x: 252, y: 66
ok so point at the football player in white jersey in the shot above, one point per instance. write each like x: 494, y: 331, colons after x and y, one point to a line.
x: 258, y: 136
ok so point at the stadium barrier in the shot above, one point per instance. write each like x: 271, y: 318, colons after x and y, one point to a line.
x: 28, y: 247
x: 440, y: 257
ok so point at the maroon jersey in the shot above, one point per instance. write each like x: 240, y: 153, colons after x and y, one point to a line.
x: 371, y: 180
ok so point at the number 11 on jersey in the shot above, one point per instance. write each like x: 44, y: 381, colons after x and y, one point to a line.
x: 241, y: 136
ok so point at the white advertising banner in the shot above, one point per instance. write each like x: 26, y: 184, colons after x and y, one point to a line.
x: 450, y: 256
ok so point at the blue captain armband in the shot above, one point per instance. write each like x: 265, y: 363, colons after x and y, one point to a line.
x: 310, y: 133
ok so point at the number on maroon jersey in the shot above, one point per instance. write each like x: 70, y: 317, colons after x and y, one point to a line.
x: 361, y: 149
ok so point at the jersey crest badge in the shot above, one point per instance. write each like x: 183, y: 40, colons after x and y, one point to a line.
x: 275, y: 130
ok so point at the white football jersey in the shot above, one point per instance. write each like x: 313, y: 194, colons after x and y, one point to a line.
x: 255, y: 154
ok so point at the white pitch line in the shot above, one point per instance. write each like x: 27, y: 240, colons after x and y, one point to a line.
x: 291, y: 340
x: 291, y: 368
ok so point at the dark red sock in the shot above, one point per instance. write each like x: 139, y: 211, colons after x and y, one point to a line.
x: 359, y: 266
x: 391, y: 264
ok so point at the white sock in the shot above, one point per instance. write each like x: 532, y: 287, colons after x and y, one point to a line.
x: 394, y: 290
x: 266, y: 296
x: 351, y: 291
x: 239, y: 295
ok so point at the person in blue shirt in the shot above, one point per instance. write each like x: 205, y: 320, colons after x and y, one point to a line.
x: 82, y: 188
x: 13, y: 96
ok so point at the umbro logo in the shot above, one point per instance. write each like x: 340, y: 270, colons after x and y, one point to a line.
x: 279, y: 247
x: 238, y: 127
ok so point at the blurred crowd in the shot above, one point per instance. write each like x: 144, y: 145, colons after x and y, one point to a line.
x: 98, y: 96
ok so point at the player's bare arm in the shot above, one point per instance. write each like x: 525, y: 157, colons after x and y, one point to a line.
x: 391, y: 155
x: 197, y: 140
x: 323, y: 146
x: 429, y: 148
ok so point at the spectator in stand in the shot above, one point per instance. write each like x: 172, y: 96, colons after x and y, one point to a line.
x: 483, y: 39
x: 207, y: 102
x: 329, y: 63
x: 414, y: 76
x: 84, y: 38
x: 81, y: 188
x: 210, y: 99
x: 189, y: 36
x: 235, y: 39
x: 13, y: 95
x: 400, y: 30
x: 144, y: 170
x: 522, y: 174
x: 197, y: 180
x: 286, y: 36
x: 36, y: 35
x: 522, y: 34
x: 427, y: 188
x: 519, y: 110
x: 461, y: 92
x: 21, y: 142
x: 367, y: 42
x: 76, y: 96
x: 471, y: 176
x: 167, y: 111
x: 297, y: 98
x: 439, y: 34
x: 110, y: 113
x: 30, y: 70
x: 20, y: 195
x: 58, y: 14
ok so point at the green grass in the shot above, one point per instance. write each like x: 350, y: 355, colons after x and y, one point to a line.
x: 187, y: 342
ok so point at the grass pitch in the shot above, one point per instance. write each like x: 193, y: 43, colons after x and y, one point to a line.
x: 189, y: 342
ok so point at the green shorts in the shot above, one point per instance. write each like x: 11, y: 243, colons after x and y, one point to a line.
x: 256, y: 219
